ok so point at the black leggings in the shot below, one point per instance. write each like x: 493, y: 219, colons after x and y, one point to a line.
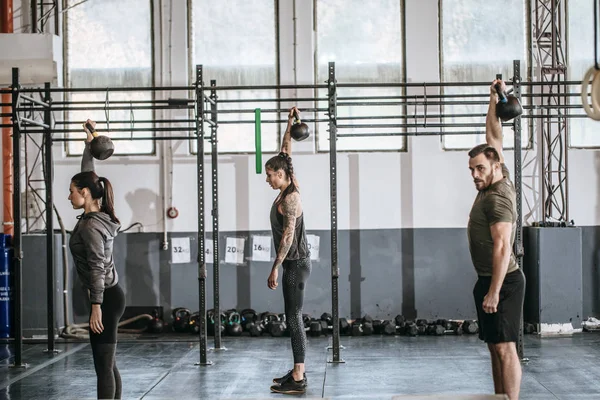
x: 295, y: 275
x: 104, y: 345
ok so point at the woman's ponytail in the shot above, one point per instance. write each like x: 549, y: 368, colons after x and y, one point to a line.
x: 108, y: 200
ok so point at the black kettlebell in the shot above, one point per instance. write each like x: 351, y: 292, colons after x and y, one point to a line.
x: 210, y: 322
x: 195, y: 323
x: 155, y: 325
x: 181, y: 318
x: 508, y: 106
x: 299, y: 130
x: 275, y: 326
x: 255, y: 328
x: 306, y: 319
x: 234, y: 326
x: 101, y: 146
x: 248, y: 316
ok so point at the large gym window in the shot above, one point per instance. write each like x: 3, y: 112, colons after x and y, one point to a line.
x: 477, y: 41
x: 583, y: 132
x: 367, y: 47
x: 235, y: 41
x: 109, y: 44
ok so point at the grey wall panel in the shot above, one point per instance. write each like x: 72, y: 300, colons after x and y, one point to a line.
x: 444, y: 274
x: 138, y: 259
x: 380, y: 279
x: 35, y: 285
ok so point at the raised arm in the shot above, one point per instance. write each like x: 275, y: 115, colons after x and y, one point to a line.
x: 493, y: 126
x: 286, y: 144
x: 87, y: 161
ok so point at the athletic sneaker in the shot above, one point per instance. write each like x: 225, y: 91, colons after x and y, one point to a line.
x: 287, y: 376
x: 290, y: 386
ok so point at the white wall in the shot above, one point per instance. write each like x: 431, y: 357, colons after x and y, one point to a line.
x: 424, y: 187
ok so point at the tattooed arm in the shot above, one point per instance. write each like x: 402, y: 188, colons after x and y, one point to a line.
x: 286, y: 144
x: 289, y: 207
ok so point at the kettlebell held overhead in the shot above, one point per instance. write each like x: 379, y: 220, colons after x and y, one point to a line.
x: 101, y: 146
x: 508, y: 106
x: 299, y: 129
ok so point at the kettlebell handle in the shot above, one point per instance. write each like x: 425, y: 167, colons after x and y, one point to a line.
x: 501, y: 95
x: 181, y: 310
x: 91, y: 129
x: 296, y: 117
x: 268, y: 317
x: 234, y: 317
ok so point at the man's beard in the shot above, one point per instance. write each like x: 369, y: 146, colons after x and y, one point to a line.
x: 484, y: 183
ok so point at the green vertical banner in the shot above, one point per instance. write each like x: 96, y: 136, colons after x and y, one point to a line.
x: 257, y: 141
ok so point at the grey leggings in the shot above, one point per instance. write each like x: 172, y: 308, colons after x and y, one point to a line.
x: 295, y: 275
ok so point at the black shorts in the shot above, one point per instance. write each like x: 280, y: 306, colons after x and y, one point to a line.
x: 502, y: 326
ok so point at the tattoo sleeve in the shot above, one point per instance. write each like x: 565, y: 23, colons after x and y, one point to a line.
x: 286, y: 144
x: 289, y: 208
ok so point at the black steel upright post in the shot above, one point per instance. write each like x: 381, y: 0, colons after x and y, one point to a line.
x: 17, y: 238
x: 518, y: 182
x: 518, y: 246
x: 34, y: 16
x: 335, y: 271
x: 42, y: 19
x: 215, y: 212
x: 56, y: 12
x: 49, y: 218
x: 201, y: 229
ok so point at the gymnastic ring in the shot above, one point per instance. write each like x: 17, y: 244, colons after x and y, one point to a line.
x: 592, y: 113
x: 595, y: 93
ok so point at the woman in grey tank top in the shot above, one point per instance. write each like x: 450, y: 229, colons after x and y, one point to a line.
x: 289, y: 237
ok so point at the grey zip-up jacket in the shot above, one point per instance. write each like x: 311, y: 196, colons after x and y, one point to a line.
x: 91, y: 244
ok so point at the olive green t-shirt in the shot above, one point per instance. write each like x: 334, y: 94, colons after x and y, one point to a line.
x: 495, y: 204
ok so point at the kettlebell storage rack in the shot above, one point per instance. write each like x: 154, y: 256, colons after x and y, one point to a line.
x: 202, y: 103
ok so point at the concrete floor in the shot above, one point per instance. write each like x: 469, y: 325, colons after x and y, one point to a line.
x: 376, y: 368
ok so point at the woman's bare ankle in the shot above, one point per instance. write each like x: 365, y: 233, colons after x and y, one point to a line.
x: 298, y: 372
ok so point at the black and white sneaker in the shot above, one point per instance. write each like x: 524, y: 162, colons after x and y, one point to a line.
x: 286, y: 377
x: 290, y: 386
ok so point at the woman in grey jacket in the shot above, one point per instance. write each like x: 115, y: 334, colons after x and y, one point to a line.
x: 91, y: 244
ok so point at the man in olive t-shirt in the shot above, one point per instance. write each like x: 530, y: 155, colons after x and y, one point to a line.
x: 500, y: 288
x: 496, y: 203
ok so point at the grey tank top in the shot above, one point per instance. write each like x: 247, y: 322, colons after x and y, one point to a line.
x: 299, y: 248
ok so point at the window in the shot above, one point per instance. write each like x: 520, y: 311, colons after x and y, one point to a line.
x: 109, y: 45
x: 479, y: 39
x: 583, y: 132
x: 235, y: 41
x: 367, y: 47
